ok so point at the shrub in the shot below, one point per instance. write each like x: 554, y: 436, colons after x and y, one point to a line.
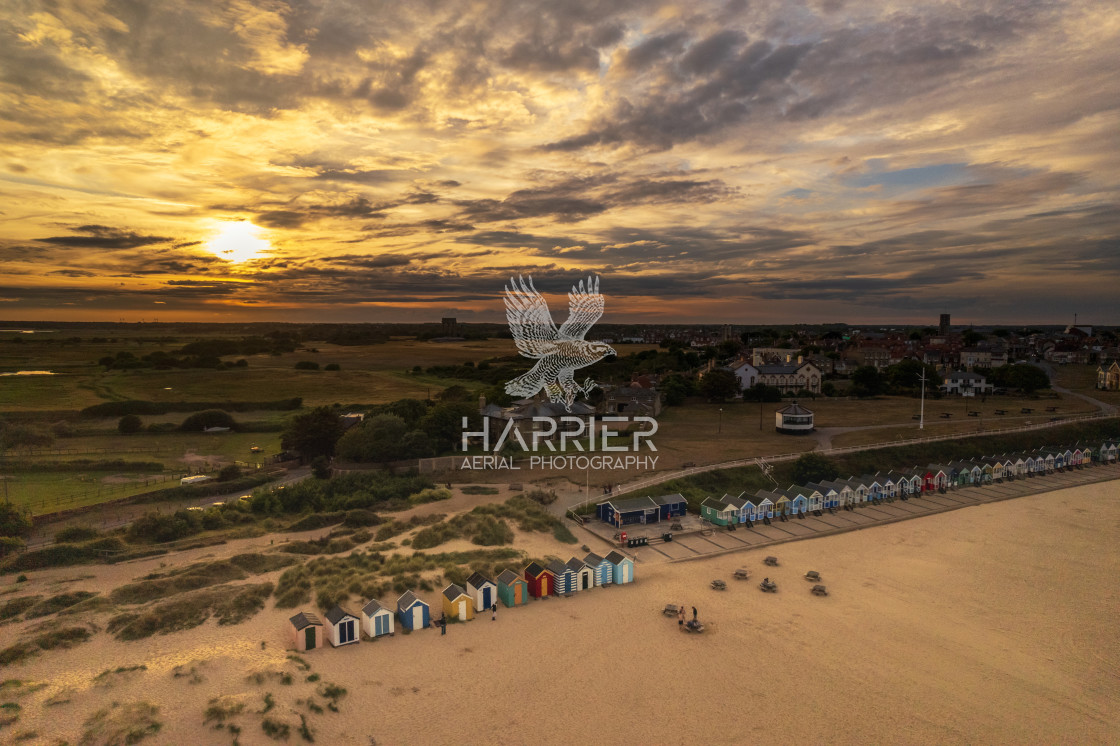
x: 121, y: 724
x: 229, y: 473
x: 307, y: 365
x: 332, y: 366
x: 129, y: 424
x: 76, y: 533
x: 207, y: 419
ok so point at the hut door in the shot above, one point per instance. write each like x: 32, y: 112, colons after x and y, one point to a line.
x: 585, y: 576
x: 462, y: 611
x: 309, y: 638
x: 544, y: 585
x: 518, y: 598
x: 487, y: 602
x: 418, y: 617
x: 625, y: 573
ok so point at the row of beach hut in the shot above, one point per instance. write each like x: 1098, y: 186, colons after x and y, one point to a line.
x: 555, y: 578
x: 830, y: 495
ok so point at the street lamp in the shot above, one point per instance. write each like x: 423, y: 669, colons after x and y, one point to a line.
x: 922, y: 416
x: 719, y: 429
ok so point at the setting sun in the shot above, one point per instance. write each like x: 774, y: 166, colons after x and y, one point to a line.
x: 238, y: 242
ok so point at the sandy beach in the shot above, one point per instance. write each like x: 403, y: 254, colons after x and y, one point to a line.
x: 990, y: 624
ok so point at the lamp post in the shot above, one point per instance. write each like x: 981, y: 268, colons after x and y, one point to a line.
x: 719, y: 428
x: 922, y: 416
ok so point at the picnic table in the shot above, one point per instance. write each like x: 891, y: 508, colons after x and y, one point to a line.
x: 946, y: 415
x: 1025, y: 410
x: 973, y: 414
x: 1051, y: 409
x: 1001, y: 411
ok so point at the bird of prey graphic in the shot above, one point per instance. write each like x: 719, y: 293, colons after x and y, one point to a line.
x: 558, y: 352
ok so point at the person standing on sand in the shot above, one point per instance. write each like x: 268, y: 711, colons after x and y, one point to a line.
x: 680, y: 616
x: 694, y: 613
x: 494, y: 613
x: 442, y: 624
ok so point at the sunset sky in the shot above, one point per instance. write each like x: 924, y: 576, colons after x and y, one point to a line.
x: 725, y: 162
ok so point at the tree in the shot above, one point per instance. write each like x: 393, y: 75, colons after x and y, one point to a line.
x: 129, y: 424
x: 313, y: 433
x: 675, y: 389
x: 906, y: 376
x: 13, y: 522
x: 444, y: 424
x: 866, y: 381
x: 813, y: 467
x: 377, y: 439
x: 321, y: 467
x: 760, y: 392
x: 206, y: 419
x: 229, y: 473
x: 970, y: 337
x: 719, y: 384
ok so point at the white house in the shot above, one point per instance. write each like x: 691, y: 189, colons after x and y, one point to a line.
x: 964, y: 383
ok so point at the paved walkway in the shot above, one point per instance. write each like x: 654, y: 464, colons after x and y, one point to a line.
x: 695, y: 545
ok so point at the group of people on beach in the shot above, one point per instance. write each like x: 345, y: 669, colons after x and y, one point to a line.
x: 680, y: 615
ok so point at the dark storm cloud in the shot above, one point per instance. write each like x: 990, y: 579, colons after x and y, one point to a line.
x: 104, y: 237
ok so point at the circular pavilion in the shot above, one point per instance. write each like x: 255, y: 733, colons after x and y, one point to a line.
x: 793, y: 420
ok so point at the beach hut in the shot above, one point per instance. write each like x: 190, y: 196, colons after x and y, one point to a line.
x: 938, y: 476
x: 798, y: 500
x: 604, y: 572
x: 749, y: 510
x: 413, y: 613
x: 512, y: 589
x: 305, y: 631
x: 828, y: 494
x: 917, y: 481
x: 716, y: 511
x: 376, y: 619
x: 541, y: 582
x: 1108, y: 452
x: 1049, y: 462
x: 623, y: 567
x: 482, y: 591
x: 874, y: 487
x: 859, y: 490
x: 1088, y: 456
x: 622, y: 512
x: 782, y: 504
x: 765, y: 501
x: 844, y: 493
x: 584, y: 578
x: 564, y: 577
x: 890, y: 485
x: 457, y: 603
x: 671, y: 506
x: 737, y: 506
x: 342, y: 627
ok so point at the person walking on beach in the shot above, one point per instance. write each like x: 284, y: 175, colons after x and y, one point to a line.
x: 680, y: 616
x: 494, y: 613
x: 694, y: 613
x: 443, y: 624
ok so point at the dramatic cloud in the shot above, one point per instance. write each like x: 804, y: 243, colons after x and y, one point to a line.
x: 720, y: 161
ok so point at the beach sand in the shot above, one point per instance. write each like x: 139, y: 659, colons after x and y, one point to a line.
x: 990, y: 624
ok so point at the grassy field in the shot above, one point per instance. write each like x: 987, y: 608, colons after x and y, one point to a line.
x: 48, y: 493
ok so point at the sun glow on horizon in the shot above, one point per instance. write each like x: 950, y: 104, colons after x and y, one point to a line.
x: 238, y: 241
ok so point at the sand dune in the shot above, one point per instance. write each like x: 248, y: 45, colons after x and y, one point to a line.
x: 992, y: 624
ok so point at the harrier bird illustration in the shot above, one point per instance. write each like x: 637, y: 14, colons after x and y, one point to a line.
x: 558, y: 352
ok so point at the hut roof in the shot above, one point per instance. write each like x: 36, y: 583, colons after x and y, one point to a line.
x: 337, y: 614
x: 632, y: 504
x: 408, y: 599
x: 794, y: 409
x: 714, y: 504
x: 672, y: 499
x: 575, y: 564
x: 373, y: 607
x: 478, y: 580
x: 534, y: 569
x: 556, y: 567
x: 453, y: 591
x: 615, y: 557
x: 305, y: 619
x: 593, y: 560
x: 508, y: 577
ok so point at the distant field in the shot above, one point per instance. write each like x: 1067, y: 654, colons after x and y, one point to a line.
x: 174, y: 450
x: 49, y: 493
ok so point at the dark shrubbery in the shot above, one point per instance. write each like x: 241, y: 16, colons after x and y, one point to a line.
x: 207, y: 419
x: 120, y: 408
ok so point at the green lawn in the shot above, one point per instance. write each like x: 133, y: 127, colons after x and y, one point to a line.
x: 49, y: 493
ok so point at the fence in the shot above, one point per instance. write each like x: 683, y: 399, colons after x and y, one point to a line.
x: 753, y: 461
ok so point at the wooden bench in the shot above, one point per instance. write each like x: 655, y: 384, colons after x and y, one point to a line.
x: 973, y: 414
x: 946, y: 415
